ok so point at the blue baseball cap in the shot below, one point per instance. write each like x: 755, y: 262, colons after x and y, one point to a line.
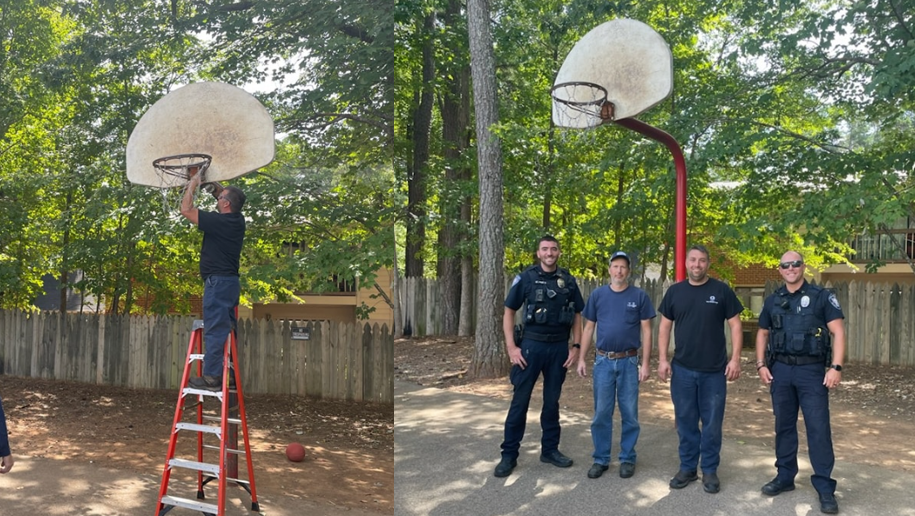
x: 620, y: 254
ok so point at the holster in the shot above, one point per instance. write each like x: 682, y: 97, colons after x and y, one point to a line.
x: 519, y: 334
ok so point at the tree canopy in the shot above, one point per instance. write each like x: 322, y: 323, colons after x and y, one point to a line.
x: 75, y: 78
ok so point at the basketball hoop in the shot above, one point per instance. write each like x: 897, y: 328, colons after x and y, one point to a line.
x: 175, y: 172
x: 580, y: 105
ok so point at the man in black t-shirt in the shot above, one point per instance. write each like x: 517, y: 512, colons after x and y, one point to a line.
x: 697, y: 310
x: 223, y: 235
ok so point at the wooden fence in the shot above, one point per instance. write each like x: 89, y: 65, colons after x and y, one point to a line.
x: 879, y: 317
x: 322, y: 359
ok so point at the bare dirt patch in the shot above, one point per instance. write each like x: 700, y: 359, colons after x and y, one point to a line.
x: 349, y: 446
x: 873, y: 409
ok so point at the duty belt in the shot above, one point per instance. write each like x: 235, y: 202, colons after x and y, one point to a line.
x: 799, y: 360
x: 613, y: 355
x: 546, y: 337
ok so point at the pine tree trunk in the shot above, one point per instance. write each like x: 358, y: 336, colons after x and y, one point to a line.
x: 488, y: 357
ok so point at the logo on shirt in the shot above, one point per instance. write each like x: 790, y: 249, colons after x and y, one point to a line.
x: 632, y: 304
x: 834, y: 302
x: 712, y: 300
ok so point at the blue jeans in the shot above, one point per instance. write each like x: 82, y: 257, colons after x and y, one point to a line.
x: 615, y: 380
x: 541, y: 357
x: 220, y: 297
x: 698, y: 396
x: 801, y: 386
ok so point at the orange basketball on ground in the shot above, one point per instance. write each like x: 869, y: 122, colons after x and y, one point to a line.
x: 295, y: 452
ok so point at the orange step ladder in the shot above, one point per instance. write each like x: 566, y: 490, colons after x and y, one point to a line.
x: 227, y: 462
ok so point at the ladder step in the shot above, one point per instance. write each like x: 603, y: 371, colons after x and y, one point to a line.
x: 212, y: 469
x: 195, y: 356
x: 209, y: 429
x: 231, y: 420
x: 201, y: 392
x: 193, y: 505
x: 228, y: 450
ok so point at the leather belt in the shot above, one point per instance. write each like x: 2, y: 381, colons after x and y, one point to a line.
x: 613, y: 355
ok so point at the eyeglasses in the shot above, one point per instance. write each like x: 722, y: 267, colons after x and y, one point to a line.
x: 796, y: 264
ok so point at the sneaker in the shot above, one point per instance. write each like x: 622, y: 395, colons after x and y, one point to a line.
x: 505, y: 467
x: 208, y: 383
x: 627, y: 469
x: 710, y: 483
x: 597, y: 470
x: 682, y: 479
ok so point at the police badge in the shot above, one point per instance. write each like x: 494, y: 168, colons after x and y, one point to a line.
x: 561, y: 283
x: 805, y: 301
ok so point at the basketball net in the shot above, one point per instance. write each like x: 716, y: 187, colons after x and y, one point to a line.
x: 175, y: 172
x: 578, y: 109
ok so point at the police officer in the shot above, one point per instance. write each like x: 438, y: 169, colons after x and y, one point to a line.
x: 552, y: 308
x: 793, y: 349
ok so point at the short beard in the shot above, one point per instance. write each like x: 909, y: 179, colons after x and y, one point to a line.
x: 697, y: 279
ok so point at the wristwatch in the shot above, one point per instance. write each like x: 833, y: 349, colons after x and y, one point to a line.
x: 837, y: 367
x: 578, y: 346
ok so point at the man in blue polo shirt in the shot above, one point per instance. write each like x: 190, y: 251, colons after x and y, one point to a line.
x: 622, y: 315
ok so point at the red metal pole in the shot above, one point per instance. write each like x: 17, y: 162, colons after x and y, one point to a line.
x: 656, y: 134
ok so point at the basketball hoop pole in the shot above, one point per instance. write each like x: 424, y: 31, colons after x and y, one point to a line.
x: 656, y: 134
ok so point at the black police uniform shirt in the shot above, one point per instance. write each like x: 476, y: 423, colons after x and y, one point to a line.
x: 824, y: 306
x: 559, y: 280
x: 223, y: 236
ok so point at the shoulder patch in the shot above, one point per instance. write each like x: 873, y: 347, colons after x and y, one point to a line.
x: 516, y: 280
x: 834, y: 302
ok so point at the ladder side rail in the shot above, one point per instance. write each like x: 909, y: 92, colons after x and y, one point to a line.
x: 200, y: 477
x: 224, y: 425
x: 242, y: 415
x: 193, y: 340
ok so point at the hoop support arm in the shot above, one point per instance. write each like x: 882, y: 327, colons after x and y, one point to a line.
x: 680, y: 163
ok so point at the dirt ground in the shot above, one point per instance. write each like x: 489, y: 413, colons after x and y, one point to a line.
x: 349, y: 446
x: 872, y: 410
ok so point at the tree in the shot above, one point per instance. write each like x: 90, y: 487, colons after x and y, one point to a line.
x: 488, y: 355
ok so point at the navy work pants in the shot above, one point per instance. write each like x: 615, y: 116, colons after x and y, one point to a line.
x: 545, y: 358
x: 794, y: 387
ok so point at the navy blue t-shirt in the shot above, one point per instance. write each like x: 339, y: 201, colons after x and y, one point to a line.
x: 619, y: 317
x: 699, y: 313
x: 223, y: 236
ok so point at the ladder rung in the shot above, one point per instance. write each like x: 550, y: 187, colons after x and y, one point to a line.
x: 212, y: 469
x: 195, y: 356
x: 238, y: 481
x: 231, y: 420
x: 199, y: 428
x: 193, y: 505
x: 228, y: 450
x: 201, y: 392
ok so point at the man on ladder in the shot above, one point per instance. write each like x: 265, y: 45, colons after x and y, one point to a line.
x: 223, y: 235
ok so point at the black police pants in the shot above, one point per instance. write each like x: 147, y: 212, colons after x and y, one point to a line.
x: 545, y: 358
x: 801, y: 387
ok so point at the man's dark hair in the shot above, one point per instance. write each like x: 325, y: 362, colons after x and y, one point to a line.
x: 547, y: 238
x: 236, y: 198
x: 701, y: 248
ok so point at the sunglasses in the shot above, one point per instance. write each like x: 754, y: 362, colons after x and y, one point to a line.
x: 796, y: 264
